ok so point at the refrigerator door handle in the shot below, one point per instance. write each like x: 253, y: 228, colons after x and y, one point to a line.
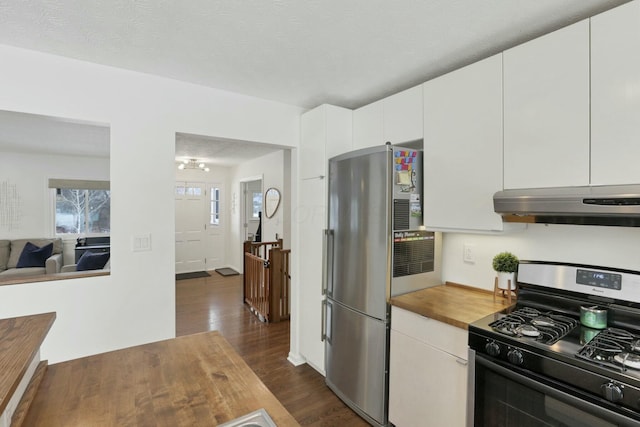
x: 327, y: 262
x: 323, y: 309
x: 327, y: 315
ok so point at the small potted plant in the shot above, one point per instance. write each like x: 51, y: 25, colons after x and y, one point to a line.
x: 506, y: 265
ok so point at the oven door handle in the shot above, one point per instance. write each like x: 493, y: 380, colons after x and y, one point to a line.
x: 576, y: 402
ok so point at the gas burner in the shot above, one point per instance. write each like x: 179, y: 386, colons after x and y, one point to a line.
x: 506, y: 329
x: 528, y: 311
x: 614, y: 348
x: 628, y: 359
x: 528, y: 331
x: 542, y: 321
x: 528, y: 322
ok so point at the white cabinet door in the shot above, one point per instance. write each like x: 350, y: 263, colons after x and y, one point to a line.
x: 311, y: 214
x: 615, y: 96
x: 546, y: 110
x: 463, y: 147
x: 312, y: 144
x: 427, y: 385
x: 402, y: 114
x: 397, y: 119
x: 367, y: 126
x: 326, y: 132
x: 339, y: 131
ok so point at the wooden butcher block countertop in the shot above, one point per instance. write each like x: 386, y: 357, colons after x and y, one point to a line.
x: 457, y: 305
x: 20, y: 340
x: 195, y: 380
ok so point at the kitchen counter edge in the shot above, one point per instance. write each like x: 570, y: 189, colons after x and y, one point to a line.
x: 452, y: 303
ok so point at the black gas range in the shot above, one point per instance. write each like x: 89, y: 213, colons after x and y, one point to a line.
x: 536, y: 364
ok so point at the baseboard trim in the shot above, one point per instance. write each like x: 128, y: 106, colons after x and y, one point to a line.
x: 296, y: 359
x: 320, y: 371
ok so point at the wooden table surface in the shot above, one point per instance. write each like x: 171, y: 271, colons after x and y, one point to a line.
x: 451, y: 303
x: 195, y: 380
x: 20, y: 340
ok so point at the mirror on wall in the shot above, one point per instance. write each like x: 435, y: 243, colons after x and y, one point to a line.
x: 55, y: 198
x: 271, y: 202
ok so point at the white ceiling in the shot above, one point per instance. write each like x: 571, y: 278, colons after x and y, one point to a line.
x: 301, y: 52
x: 31, y: 133
x: 219, y: 151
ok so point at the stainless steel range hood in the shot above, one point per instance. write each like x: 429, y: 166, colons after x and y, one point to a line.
x: 617, y: 205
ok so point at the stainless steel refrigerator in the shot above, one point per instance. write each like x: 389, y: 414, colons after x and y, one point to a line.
x: 375, y: 248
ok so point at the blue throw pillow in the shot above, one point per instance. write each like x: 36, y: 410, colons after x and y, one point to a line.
x: 92, y: 261
x: 34, y: 256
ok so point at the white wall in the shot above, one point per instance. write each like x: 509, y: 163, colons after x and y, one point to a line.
x: 595, y: 245
x: 136, y: 303
x: 272, y: 168
x: 30, y: 173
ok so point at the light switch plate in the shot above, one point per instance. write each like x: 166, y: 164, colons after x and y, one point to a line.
x: 141, y: 242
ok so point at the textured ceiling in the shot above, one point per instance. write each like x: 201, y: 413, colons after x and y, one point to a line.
x: 219, y: 151
x: 301, y: 52
x: 31, y: 133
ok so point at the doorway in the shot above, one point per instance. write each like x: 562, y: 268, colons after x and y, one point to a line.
x: 200, y: 226
x: 252, y: 208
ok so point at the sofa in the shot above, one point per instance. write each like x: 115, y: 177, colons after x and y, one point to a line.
x: 10, y: 255
x: 69, y: 268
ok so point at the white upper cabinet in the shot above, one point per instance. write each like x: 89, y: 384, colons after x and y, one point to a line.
x: 615, y: 96
x: 397, y: 119
x: 463, y: 147
x: 326, y: 131
x: 367, y: 126
x: 339, y: 131
x: 402, y: 115
x: 313, y: 135
x: 546, y: 110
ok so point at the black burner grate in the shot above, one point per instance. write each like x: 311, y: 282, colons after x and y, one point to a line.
x: 527, y: 322
x: 615, y: 348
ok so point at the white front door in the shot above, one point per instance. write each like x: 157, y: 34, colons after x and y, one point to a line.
x: 190, y: 227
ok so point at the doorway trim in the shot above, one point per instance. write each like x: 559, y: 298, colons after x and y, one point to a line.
x: 243, y: 201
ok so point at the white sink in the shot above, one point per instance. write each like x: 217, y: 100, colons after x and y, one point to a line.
x: 258, y: 418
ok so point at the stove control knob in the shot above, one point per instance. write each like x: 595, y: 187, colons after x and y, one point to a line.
x: 515, y: 356
x: 492, y: 348
x: 612, y: 392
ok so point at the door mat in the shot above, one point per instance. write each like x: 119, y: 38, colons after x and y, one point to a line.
x: 193, y: 275
x: 226, y: 271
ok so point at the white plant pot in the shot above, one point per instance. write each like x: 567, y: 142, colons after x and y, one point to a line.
x: 504, y: 278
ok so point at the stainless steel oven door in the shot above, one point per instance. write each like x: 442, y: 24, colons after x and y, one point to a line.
x: 503, y: 397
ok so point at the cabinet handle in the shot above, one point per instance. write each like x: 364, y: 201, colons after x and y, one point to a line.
x: 462, y: 361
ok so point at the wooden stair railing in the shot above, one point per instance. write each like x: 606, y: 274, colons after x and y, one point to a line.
x: 267, y: 280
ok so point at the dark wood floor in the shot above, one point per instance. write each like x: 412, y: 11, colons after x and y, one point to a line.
x: 214, y: 303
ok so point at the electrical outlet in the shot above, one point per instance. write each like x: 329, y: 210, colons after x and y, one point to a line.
x: 469, y: 253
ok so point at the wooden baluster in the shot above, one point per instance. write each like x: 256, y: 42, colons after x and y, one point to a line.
x: 275, y: 256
